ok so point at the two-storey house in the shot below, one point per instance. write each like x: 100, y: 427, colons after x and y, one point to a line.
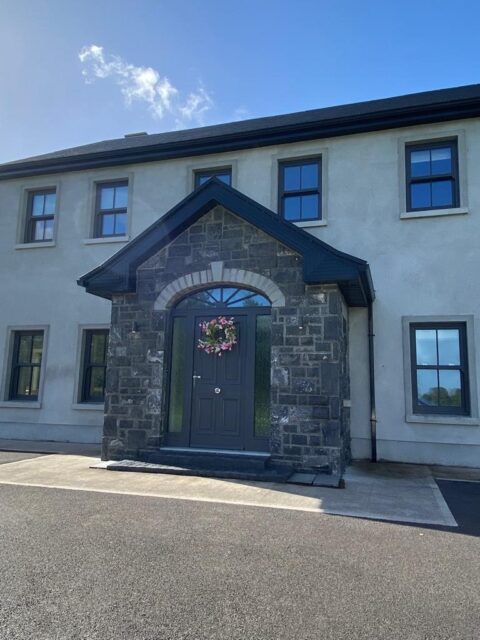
x: 340, y: 244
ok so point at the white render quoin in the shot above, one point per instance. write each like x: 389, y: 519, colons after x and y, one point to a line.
x: 424, y: 260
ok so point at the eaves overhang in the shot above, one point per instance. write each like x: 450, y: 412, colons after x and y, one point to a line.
x: 415, y: 109
x: 322, y: 264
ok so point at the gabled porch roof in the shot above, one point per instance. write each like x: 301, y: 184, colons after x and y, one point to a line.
x: 322, y: 263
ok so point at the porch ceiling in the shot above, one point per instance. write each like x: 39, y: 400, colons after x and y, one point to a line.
x: 322, y: 263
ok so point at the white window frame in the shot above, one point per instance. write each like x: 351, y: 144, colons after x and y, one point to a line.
x: 410, y: 416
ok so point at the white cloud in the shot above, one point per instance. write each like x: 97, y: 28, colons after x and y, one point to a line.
x: 145, y: 84
x: 240, y: 113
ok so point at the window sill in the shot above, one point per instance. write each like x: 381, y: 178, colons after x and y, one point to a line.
x: 311, y: 223
x: 85, y: 406
x: 106, y: 240
x: 433, y: 213
x: 16, y: 404
x: 465, y: 421
x: 36, y: 245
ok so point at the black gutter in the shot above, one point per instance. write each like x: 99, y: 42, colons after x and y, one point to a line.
x: 371, y: 371
x: 454, y: 109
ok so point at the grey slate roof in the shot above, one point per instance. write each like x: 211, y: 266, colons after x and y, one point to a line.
x: 429, y: 106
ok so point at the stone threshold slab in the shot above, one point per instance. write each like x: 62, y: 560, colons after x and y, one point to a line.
x: 267, y: 475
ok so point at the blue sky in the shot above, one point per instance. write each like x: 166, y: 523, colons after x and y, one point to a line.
x: 78, y: 72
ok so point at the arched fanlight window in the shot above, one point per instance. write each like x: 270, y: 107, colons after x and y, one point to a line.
x: 224, y: 297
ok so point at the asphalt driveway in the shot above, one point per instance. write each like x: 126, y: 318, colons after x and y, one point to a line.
x: 86, y: 565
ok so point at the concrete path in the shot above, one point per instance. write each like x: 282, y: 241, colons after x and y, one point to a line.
x: 47, y: 446
x: 402, y: 493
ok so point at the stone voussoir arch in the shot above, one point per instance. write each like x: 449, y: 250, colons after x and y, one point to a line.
x: 217, y: 274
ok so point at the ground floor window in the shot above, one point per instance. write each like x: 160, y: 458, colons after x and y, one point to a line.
x: 26, y: 365
x: 439, y: 368
x: 94, y: 365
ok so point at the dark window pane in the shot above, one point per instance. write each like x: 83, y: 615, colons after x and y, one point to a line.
x: 108, y: 225
x: 420, y: 195
x: 262, y: 376
x: 48, y: 230
x: 177, y: 376
x: 310, y: 208
x: 121, y: 224
x: 97, y: 383
x: 292, y: 178
x: 121, y: 197
x: 23, y: 385
x: 97, y: 348
x: 259, y: 301
x: 216, y: 294
x: 449, y: 347
x: 24, y: 349
x: 94, y: 365
x: 450, y: 393
x: 35, y: 382
x: 38, y: 202
x: 231, y: 294
x: 39, y: 230
x: 292, y: 208
x: 310, y: 176
x: 442, y: 193
x: 26, y: 366
x: 224, y: 296
x: 246, y: 301
x: 225, y: 177
x: 420, y: 163
x: 50, y: 200
x: 106, y: 197
x: 441, y: 161
x: 37, y: 348
x: 426, y: 346
x: 427, y: 388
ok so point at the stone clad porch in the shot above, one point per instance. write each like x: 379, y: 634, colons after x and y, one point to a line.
x: 218, y: 246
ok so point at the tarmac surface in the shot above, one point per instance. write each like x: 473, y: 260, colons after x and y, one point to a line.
x: 87, y: 565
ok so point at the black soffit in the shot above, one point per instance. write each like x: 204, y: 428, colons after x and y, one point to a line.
x: 441, y: 105
x: 322, y: 263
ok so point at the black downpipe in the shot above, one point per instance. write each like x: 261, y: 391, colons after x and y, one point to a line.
x: 371, y: 371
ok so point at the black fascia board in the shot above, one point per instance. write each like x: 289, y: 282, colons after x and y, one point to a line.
x: 321, y: 262
x: 463, y: 103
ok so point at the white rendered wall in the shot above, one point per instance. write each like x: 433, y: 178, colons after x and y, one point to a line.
x: 420, y: 267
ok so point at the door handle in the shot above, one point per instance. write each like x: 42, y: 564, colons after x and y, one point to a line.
x: 196, y: 377
x: 217, y: 389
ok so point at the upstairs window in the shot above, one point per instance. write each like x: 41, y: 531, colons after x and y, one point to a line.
x: 94, y: 365
x: 300, y: 190
x: 41, y: 206
x: 26, y: 365
x: 439, y: 368
x: 224, y: 175
x: 111, y: 209
x: 432, y: 176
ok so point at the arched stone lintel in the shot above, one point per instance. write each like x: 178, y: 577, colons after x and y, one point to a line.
x: 217, y: 274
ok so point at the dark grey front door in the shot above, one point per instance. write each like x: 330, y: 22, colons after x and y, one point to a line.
x: 220, y: 398
x: 220, y: 402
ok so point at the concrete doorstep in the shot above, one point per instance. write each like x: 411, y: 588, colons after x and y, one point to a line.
x: 400, y: 493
